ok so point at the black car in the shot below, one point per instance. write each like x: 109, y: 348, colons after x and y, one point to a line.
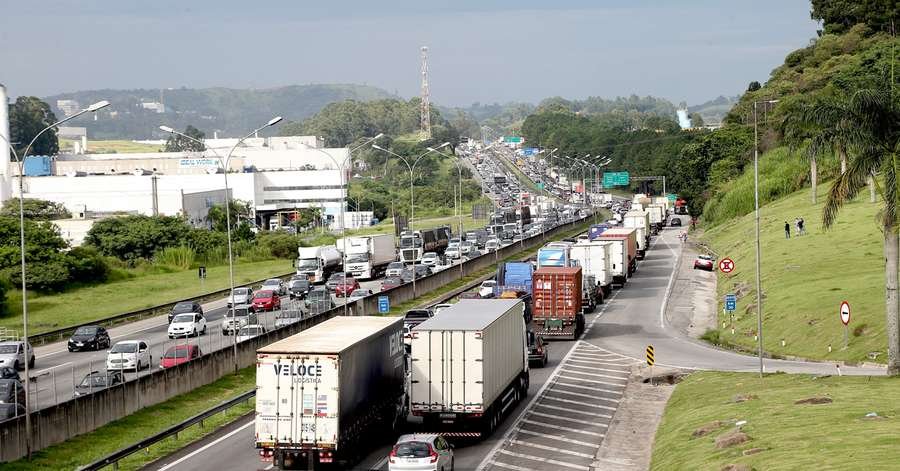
x: 298, y: 289
x: 11, y: 411
x: 89, y: 337
x: 675, y: 222
x: 11, y: 391
x: 7, y: 372
x: 185, y: 307
x: 97, y: 380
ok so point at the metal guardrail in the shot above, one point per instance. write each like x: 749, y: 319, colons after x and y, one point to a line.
x: 136, y: 315
x: 114, y: 458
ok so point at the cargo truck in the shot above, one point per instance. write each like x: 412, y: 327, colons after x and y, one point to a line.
x: 469, y: 366
x: 556, y: 311
x: 413, y: 245
x: 325, y: 395
x: 514, y: 276
x: 368, y: 256
x: 657, y: 217
x: 596, y: 229
x: 554, y: 254
x: 595, y: 259
x: 318, y: 263
x: 640, y: 221
x: 624, y: 257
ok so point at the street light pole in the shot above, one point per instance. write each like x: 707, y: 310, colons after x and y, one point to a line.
x: 756, y: 209
x: 225, y: 163
x: 459, y: 201
x: 411, y: 199
x: 21, y: 164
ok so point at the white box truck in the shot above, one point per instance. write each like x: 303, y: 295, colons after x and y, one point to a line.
x: 595, y: 259
x: 325, y: 395
x: 619, y: 265
x: 368, y: 256
x: 639, y: 220
x: 469, y: 366
x: 657, y: 217
x: 318, y: 263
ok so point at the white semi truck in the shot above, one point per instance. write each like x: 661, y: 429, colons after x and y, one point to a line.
x: 469, y: 366
x: 329, y: 393
x: 595, y: 259
x: 639, y: 220
x: 368, y: 256
x: 318, y: 262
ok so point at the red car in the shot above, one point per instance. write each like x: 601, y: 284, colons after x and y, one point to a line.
x: 704, y: 262
x: 179, y: 354
x: 266, y: 300
x: 347, y: 287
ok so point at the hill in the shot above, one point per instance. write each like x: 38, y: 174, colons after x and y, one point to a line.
x: 714, y: 111
x: 135, y: 114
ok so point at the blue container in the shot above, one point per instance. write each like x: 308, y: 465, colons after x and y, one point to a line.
x: 516, y: 276
x: 37, y: 166
x: 596, y: 230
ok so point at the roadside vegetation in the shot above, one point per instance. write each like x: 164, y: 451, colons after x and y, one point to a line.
x: 89, y: 447
x: 791, y: 422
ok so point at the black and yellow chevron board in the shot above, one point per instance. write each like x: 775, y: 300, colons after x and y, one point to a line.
x: 650, y: 357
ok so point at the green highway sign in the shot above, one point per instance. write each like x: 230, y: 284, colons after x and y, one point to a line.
x: 615, y: 179
x: 512, y: 139
x: 671, y: 196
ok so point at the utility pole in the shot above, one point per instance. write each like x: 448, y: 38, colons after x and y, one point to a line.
x: 425, y: 103
x: 155, y: 195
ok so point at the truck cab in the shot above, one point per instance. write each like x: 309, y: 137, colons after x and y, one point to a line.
x: 411, y: 247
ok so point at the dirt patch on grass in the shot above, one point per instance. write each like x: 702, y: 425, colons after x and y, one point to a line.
x: 743, y: 398
x: 737, y: 467
x: 731, y: 439
x: 752, y: 451
x: 706, y: 429
x: 814, y: 400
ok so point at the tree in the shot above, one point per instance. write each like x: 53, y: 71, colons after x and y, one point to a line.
x: 177, y: 143
x: 240, y: 212
x: 867, y: 122
x: 696, y: 120
x: 47, y: 268
x: 754, y: 86
x: 27, y: 117
x: 34, y: 208
x: 837, y: 16
x: 132, y: 237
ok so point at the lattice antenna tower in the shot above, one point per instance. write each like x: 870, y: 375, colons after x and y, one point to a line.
x: 425, y: 103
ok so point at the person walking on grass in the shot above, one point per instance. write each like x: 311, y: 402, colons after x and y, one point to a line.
x: 787, y: 230
x: 800, y: 229
x: 797, y: 225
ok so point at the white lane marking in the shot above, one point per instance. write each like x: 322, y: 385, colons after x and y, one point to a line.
x: 267, y: 468
x: 511, y: 466
x: 567, y: 419
x: 569, y: 409
x: 546, y: 460
x: 626, y: 373
x: 557, y: 427
x: 559, y: 438
x: 598, y: 356
x: 560, y: 391
x: 380, y: 464
x: 45, y: 370
x: 550, y: 448
x: 206, y: 447
x: 579, y: 403
x: 619, y: 381
x: 590, y: 388
x: 665, y: 303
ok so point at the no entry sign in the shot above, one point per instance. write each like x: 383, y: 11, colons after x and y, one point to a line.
x: 845, y: 312
x: 726, y: 265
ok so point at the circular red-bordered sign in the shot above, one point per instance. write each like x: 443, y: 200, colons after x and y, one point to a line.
x: 726, y: 265
x: 845, y: 312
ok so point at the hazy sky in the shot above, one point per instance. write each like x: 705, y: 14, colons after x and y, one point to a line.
x: 480, y: 50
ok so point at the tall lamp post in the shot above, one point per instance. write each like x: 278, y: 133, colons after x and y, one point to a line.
x: 544, y: 188
x: 756, y: 209
x: 343, y: 224
x: 20, y: 160
x: 458, y: 201
x: 224, y: 164
x: 411, y: 199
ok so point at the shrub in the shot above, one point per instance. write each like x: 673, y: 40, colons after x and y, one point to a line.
x: 181, y: 257
x: 279, y: 243
x: 132, y: 237
x: 86, y: 265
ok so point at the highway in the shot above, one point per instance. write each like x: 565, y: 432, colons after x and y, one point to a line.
x: 562, y: 421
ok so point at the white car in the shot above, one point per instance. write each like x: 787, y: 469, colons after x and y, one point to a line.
x: 247, y: 332
x: 466, y: 247
x: 453, y: 251
x: 486, y: 290
x: 358, y: 294
x: 129, y: 355
x: 240, y: 296
x: 421, y: 451
x: 491, y: 245
x: 276, y: 285
x: 430, y: 259
x: 187, y: 325
x: 394, y: 269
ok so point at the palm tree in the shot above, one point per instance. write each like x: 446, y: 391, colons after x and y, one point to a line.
x: 869, y: 124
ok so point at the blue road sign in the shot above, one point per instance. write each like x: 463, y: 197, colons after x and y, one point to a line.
x: 730, y: 302
x: 384, y: 304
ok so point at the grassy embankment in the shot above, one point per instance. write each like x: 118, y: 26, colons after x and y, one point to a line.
x: 89, y: 447
x: 783, y: 434
x: 53, y: 311
x: 804, y: 278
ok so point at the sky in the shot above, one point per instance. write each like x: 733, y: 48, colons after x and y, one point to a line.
x: 479, y: 50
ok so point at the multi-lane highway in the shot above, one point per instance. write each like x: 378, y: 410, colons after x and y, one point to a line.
x: 563, y: 420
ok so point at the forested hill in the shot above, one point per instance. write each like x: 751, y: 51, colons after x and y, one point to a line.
x: 133, y: 114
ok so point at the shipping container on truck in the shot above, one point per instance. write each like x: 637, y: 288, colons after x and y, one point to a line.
x: 639, y: 220
x: 597, y: 229
x: 618, y: 255
x: 556, y: 311
x: 318, y: 263
x: 664, y: 202
x: 368, y: 256
x: 595, y: 259
x: 325, y: 395
x: 629, y: 235
x: 657, y: 217
x: 469, y: 366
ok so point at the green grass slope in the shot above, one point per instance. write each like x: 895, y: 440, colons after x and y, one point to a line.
x: 786, y: 436
x: 805, y: 278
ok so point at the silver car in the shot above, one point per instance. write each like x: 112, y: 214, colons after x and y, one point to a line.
x: 274, y: 284
x: 394, y: 269
x: 240, y: 296
x: 13, y: 354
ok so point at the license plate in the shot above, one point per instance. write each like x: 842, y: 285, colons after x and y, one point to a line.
x: 448, y: 416
x: 79, y: 344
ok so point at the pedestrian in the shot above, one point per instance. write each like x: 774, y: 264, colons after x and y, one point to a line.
x: 787, y: 230
x: 797, y: 225
x: 800, y: 226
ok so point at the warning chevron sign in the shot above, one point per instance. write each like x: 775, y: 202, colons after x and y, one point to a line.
x: 650, y: 356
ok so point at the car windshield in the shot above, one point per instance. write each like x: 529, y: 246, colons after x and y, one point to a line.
x: 262, y: 295
x: 412, y: 450
x: 308, y: 264
x: 183, y: 307
x: 429, y: 255
x: 96, y: 380
x: 177, y: 353
x: 394, y: 280
x: 488, y: 284
x: 357, y: 258
x: 299, y: 284
x: 241, y: 291
x: 395, y: 265
x: 9, y: 348
x: 249, y: 331
x: 359, y: 293
x: 183, y: 318
x: 272, y: 283
x: 124, y: 348
x: 85, y: 331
